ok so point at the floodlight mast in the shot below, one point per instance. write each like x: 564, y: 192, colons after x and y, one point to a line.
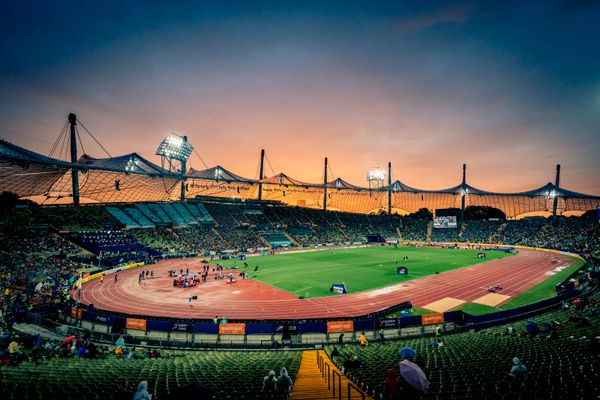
x: 556, y: 187
x: 261, y: 173
x: 389, y: 188
x: 183, y: 171
x: 463, y: 193
x: 325, y: 187
x: 74, y: 174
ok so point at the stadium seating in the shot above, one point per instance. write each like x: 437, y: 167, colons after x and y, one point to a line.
x: 230, y: 375
x: 123, y: 218
x: 476, y: 364
x: 140, y: 218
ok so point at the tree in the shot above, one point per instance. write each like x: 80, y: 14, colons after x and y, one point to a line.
x: 424, y: 213
x: 8, y: 200
x: 473, y: 213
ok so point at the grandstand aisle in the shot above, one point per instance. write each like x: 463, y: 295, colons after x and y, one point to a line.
x: 310, y: 384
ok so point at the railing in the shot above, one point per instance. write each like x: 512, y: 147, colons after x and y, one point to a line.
x: 330, y: 375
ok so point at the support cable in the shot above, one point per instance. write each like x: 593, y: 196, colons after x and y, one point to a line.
x: 201, y: 160
x: 270, y: 166
x: 62, y: 132
x: 93, y: 137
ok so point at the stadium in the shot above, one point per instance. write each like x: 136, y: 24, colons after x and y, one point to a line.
x: 119, y: 260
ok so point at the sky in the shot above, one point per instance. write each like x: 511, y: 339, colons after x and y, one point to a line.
x: 511, y: 88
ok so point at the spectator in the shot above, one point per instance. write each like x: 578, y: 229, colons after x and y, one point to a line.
x: 518, y: 368
x: 335, y: 352
x: 269, y: 382
x: 120, y: 342
x: 142, y: 392
x: 14, y: 352
x: 284, y: 382
x: 132, y: 354
x: 341, y: 339
x: 362, y: 340
x: 391, y: 386
x: 351, y: 364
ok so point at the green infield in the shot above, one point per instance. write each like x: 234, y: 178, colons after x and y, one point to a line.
x: 310, y: 274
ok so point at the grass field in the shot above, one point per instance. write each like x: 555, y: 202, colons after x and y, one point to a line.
x: 311, y: 274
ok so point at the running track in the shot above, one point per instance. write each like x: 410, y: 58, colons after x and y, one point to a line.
x: 248, y: 299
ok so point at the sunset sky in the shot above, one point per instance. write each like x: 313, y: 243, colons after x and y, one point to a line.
x: 510, y: 88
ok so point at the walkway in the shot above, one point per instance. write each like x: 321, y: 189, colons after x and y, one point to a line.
x: 310, y: 384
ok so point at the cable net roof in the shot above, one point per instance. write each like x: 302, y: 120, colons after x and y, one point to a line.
x: 131, y: 178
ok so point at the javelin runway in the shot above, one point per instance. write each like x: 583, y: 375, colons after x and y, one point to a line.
x: 249, y: 299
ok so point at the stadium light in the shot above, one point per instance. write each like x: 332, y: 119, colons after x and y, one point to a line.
x: 376, y: 174
x: 175, y: 147
x: 132, y: 164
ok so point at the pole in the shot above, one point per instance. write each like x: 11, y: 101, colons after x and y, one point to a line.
x: 325, y: 187
x: 463, y: 193
x: 183, y: 171
x: 261, y: 173
x: 74, y: 172
x: 556, y: 187
x: 389, y: 188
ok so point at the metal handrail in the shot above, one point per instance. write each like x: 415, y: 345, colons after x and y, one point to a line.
x: 330, y: 374
x: 339, y: 384
x: 353, y: 386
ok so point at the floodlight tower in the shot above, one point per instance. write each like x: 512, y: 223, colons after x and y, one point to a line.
x: 325, y: 186
x: 463, y: 192
x: 74, y: 174
x: 174, y: 151
x: 389, y: 188
x: 555, y: 192
x: 376, y: 177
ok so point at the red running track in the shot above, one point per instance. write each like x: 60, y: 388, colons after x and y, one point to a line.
x: 249, y: 299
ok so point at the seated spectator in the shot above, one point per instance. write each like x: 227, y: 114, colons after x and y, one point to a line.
x: 14, y: 352
x: 518, y: 370
x: 351, y: 364
x: 132, y: 354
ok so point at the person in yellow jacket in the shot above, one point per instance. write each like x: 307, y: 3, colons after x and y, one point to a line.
x: 362, y: 340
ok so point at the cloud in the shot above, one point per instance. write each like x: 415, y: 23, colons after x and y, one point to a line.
x: 455, y: 14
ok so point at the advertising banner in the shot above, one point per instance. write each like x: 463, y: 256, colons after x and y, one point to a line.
x: 429, y: 319
x: 134, y: 323
x: 340, y: 326
x: 232, y: 329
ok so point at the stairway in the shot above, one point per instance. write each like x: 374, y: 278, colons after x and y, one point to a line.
x: 292, y: 239
x: 310, y: 384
